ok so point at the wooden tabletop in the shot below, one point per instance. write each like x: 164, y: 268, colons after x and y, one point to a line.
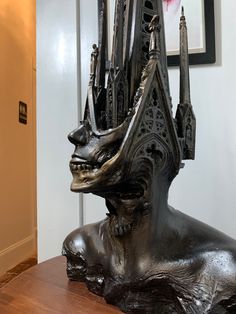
x: 45, y: 288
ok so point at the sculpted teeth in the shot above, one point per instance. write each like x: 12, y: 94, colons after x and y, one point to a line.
x: 73, y: 167
x: 81, y: 167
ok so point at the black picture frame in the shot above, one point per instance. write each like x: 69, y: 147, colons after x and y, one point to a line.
x: 209, y: 56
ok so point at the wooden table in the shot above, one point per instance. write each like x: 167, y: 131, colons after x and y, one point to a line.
x: 45, y: 288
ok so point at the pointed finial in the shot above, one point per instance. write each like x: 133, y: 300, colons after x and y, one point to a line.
x: 182, y: 18
x: 154, y: 24
x: 184, y: 62
x: 154, y: 27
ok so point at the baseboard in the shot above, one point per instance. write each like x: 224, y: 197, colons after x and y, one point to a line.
x: 35, y: 241
x: 17, y: 253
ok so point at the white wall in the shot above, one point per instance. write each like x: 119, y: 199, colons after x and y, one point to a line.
x: 57, y: 115
x: 205, y: 189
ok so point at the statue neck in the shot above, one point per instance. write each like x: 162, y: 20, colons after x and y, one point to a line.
x: 134, y: 210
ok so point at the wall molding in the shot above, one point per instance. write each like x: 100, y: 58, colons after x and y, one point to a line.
x: 17, y: 252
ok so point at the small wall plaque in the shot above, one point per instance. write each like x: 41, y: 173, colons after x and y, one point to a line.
x: 22, y: 112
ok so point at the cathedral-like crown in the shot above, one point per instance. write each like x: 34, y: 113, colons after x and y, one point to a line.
x: 139, y: 50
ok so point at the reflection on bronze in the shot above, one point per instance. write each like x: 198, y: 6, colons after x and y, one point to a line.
x: 145, y: 257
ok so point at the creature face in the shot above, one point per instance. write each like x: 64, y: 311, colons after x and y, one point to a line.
x: 97, y: 157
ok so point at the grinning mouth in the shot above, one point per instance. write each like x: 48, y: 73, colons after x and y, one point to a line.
x: 82, y: 166
x: 78, y: 165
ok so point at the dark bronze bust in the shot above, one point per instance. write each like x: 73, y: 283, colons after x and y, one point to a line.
x: 145, y: 257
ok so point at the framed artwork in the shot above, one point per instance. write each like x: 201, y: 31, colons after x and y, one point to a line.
x: 201, y: 29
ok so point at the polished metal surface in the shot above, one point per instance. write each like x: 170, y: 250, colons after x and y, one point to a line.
x: 145, y: 257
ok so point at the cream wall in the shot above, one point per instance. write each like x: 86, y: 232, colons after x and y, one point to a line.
x: 17, y: 151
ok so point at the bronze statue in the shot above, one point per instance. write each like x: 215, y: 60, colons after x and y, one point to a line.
x: 145, y: 257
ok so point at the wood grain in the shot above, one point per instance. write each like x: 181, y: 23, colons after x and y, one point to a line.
x: 45, y: 288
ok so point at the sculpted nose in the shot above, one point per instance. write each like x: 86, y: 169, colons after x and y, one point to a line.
x: 79, y: 136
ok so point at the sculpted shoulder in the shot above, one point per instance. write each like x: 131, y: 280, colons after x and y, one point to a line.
x: 216, y: 249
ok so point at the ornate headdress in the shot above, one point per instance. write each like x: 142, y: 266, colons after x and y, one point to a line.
x: 131, y: 110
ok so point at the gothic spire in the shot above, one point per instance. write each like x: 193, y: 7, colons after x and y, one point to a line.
x: 184, y: 62
x: 117, y: 86
x: 117, y: 49
x: 142, y: 14
x: 163, y: 53
x: 185, y: 118
x: 128, y: 20
x: 102, y: 42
